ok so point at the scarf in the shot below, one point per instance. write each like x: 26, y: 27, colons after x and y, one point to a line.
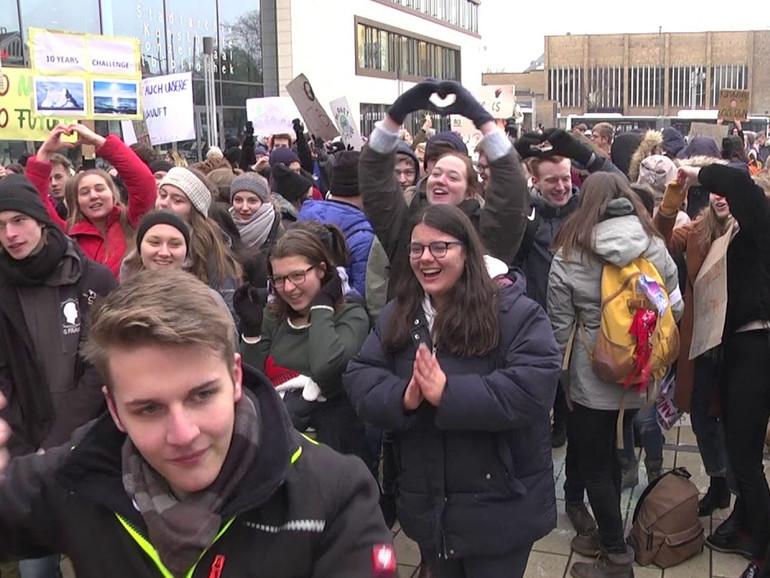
x: 255, y: 231
x: 182, y: 530
x: 34, y: 270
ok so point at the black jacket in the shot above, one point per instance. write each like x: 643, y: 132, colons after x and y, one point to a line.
x: 301, y: 511
x: 748, y: 258
x: 37, y: 416
x: 476, y: 473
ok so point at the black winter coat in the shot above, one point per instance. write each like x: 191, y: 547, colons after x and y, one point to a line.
x: 302, y: 510
x: 475, y: 473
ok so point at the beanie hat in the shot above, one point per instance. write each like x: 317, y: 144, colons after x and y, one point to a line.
x: 251, y: 182
x: 17, y: 193
x: 447, y: 136
x: 290, y: 185
x: 657, y: 171
x: 283, y: 155
x: 197, y: 192
x: 162, y: 217
x: 161, y: 165
x: 214, y: 152
x: 260, y: 151
x: 673, y: 141
x: 344, y: 179
x: 701, y: 146
x: 233, y: 155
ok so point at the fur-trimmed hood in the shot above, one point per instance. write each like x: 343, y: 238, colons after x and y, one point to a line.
x: 652, y: 144
x: 700, y: 161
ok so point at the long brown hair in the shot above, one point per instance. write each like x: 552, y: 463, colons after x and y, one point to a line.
x: 468, y: 324
x: 709, y: 226
x: 472, y: 183
x: 299, y: 242
x: 208, y: 252
x: 597, y: 191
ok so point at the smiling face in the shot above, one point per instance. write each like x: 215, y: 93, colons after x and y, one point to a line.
x: 298, y: 295
x: 177, y: 404
x: 720, y: 205
x: 174, y: 199
x: 20, y: 234
x: 163, y: 247
x: 437, y: 275
x: 95, y: 198
x: 448, y: 181
x: 245, y: 204
x: 554, y: 181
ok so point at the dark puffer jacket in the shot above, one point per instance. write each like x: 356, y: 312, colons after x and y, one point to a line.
x: 475, y: 474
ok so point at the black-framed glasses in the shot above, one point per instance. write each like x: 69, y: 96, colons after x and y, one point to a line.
x: 437, y: 248
x: 296, y: 277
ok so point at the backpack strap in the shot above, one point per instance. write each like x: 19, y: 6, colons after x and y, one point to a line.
x: 570, y: 345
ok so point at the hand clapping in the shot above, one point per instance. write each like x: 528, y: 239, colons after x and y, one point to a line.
x: 428, y: 380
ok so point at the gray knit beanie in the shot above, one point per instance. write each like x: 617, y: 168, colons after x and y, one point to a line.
x: 252, y: 183
x: 197, y: 191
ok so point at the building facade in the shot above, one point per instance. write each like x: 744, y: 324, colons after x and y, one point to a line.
x: 370, y: 51
x: 654, y: 75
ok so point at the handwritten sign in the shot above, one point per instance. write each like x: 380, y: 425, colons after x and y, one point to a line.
x: 467, y: 130
x: 167, y: 102
x: 715, y: 131
x: 17, y: 119
x: 710, y: 297
x: 272, y: 114
x: 318, y: 122
x: 500, y: 101
x: 346, y: 123
x: 734, y: 104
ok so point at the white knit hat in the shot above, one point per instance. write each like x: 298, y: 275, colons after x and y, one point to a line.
x: 197, y: 192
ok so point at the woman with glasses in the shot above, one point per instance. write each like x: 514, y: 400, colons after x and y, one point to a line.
x: 464, y: 372
x: 310, y: 329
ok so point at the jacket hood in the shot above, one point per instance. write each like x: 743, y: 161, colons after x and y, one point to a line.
x: 620, y: 239
x: 94, y: 467
x: 701, y: 161
x: 509, y: 294
x: 651, y: 144
x: 673, y: 141
x: 623, y: 148
x: 404, y: 148
x: 342, y: 214
x: 701, y: 146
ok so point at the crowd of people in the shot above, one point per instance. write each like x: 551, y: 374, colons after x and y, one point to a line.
x: 256, y: 364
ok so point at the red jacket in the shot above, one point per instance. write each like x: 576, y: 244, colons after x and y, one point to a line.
x: 142, y: 191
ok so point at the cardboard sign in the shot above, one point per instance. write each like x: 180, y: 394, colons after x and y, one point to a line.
x: 17, y: 119
x: 346, y: 123
x: 318, y: 123
x: 167, y: 102
x: 715, y: 131
x: 86, y: 75
x: 710, y: 297
x: 467, y: 130
x: 734, y: 104
x: 500, y: 101
x: 272, y: 114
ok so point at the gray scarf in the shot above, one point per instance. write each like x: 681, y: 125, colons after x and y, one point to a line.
x: 182, y: 530
x: 255, y: 231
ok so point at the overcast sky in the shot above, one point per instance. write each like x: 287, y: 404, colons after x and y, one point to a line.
x: 513, y: 32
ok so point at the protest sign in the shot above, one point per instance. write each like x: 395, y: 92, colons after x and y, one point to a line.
x: 710, y: 297
x: 734, y: 104
x: 272, y: 114
x: 500, y: 101
x: 317, y: 121
x: 86, y: 75
x: 167, y: 102
x: 467, y: 130
x: 17, y: 119
x: 346, y: 123
x: 715, y: 131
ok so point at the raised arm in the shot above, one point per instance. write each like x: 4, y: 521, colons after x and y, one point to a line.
x: 748, y: 203
x: 303, y: 149
x: 665, y: 217
x: 39, y: 170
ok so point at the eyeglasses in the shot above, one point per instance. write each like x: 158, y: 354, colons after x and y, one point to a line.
x: 437, y: 248
x: 296, y: 277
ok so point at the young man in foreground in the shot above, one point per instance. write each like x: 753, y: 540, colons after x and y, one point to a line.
x: 190, y: 473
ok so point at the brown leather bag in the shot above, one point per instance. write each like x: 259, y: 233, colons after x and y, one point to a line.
x: 666, y: 529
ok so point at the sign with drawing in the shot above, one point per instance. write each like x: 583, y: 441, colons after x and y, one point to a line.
x: 346, y: 123
x: 318, y: 123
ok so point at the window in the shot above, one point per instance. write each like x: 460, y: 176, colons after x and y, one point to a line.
x: 371, y: 113
x: 687, y: 86
x: 734, y: 76
x: 565, y: 85
x: 645, y: 86
x: 143, y: 21
x: 73, y: 15
x: 401, y: 56
x: 460, y: 13
x: 605, y: 89
x: 186, y: 25
x: 11, y: 44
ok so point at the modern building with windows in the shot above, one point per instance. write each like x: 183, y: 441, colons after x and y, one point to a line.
x: 366, y: 50
x: 665, y: 75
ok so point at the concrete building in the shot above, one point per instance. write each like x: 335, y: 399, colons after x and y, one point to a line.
x: 370, y: 51
x: 648, y: 75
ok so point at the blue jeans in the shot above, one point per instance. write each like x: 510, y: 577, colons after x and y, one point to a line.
x: 645, y: 425
x: 708, y: 429
x: 47, y: 567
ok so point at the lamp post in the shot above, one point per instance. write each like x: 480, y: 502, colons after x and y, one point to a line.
x: 210, y: 94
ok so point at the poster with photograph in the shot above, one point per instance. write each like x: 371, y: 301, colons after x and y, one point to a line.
x: 115, y: 98
x: 60, y: 95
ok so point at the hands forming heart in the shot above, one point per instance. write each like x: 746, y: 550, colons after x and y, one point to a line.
x: 446, y: 97
x: 54, y: 142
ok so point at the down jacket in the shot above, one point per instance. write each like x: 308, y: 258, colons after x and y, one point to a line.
x: 475, y: 474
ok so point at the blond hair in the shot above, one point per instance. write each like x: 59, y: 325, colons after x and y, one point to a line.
x: 151, y: 308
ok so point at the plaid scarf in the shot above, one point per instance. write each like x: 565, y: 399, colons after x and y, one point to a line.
x: 182, y: 530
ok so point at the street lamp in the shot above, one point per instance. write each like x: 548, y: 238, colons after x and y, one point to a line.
x: 210, y: 94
